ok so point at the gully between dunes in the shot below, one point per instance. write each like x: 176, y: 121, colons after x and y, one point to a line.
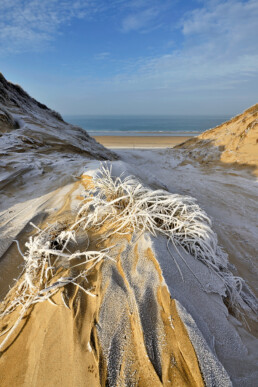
x: 120, y: 278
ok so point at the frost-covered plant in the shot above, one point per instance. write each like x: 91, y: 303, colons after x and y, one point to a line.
x: 48, y: 267
x: 124, y: 205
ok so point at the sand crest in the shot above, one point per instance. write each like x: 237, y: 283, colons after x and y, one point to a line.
x: 130, y: 333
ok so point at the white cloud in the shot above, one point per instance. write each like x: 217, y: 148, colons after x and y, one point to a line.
x: 144, y: 15
x: 219, y: 51
x: 30, y: 24
x: 231, y: 26
x: 139, y: 20
x: 224, y: 17
x: 102, y: 55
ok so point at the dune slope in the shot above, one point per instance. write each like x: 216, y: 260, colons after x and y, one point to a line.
x: 114, y: 324
x: 235, y: 141
x: 115, y: 284
x: 39, y: 154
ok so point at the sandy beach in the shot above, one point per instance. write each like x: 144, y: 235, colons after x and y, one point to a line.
x: 140, y: 141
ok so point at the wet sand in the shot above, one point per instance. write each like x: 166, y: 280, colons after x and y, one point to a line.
x: 140, y: 141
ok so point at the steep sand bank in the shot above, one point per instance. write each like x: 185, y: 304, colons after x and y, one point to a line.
x: 234, y: 142
x: 40, y: 155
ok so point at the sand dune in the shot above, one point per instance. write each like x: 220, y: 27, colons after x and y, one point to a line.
x: 130, y: 333
x: 119, y: 282
x: 39, y: 153
x: 113, y: 337
x: 235, y: 142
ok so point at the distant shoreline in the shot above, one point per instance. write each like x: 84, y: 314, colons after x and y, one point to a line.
x: 145, y: 125
x: 108, y: 133
x: 140, y: 141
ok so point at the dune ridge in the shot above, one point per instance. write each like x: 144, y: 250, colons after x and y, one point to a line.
x: 143, y: 349
x: 119, y: 323
x: 39, y: 155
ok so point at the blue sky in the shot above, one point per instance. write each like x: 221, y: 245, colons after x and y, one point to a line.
x: 133, y: 57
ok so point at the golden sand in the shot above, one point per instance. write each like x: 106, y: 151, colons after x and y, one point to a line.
x: 236, y: 140
x: 60, y: 346
x: 140, y: 141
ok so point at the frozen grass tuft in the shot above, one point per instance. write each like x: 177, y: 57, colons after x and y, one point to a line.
x: 124, y: 205
x: 48, y: 267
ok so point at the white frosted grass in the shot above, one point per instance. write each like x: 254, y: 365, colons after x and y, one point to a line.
x: 47, y: 259
x: 123, y: 205
x: 126, y: 205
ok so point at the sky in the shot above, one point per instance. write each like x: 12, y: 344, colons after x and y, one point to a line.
x: 133, y: 57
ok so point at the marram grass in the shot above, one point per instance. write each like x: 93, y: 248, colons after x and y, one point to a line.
x: 48, y: 267
x: 126, y: 205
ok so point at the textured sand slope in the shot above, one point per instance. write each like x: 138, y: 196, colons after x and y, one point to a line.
x: 235, y: 141
x: 144, y: 341
x: 28, y: 125
x: 34, y: 140
x: 229, y: 197
x: 39, y: 153
x: 130, y: 333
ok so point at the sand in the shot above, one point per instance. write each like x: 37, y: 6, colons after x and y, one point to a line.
x: 107, y: 338
x: 129, y: 334
x: 234, y: 142
x: 135, y: 331
x: 229, y: 196
x: 146, y: 325
x: 114, y: 142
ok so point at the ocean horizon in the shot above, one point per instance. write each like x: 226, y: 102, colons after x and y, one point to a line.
x: 146, y: 125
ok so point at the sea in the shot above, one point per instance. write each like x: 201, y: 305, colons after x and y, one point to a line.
x: 146, y: 125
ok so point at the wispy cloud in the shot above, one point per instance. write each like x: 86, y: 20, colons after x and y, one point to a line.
x: 102, y: 55
x: 140, y: 20
x: 31, y: 24
x: 232, y: 24
x: 143, y: 16
x: 210, y: 49
x: 219, y: 51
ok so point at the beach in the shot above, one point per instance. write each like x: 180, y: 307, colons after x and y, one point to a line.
x: 140, y: 141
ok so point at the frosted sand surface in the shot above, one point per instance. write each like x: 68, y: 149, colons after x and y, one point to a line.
x: 130, y: 333
x: 134, y: 294
x: 168, y: 327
